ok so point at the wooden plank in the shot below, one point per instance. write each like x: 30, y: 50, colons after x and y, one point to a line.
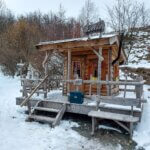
x: 127, y: 90
x: 113, y: 116
x: 121, y: 101
x: 59, y: 115
x: 39, y: 92
x: 46, y: 109
x: 108, y: 82
x: 42, y: 118
x: 122, y: 125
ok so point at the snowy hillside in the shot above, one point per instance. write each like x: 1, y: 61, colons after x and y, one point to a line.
x: 140, y: 54
x: 16, y: 134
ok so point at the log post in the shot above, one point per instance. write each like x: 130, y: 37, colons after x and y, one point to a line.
x: 90, y: 87
x: 93, y: 125
x: 108, y: 85
x: 100, y: 59
x: 46, y: 73
x: 99, y: 72
x: 139, y: 90
x: 26, y: 95
x: 109, y: 69
x: 125, y: 88
x: 69, y: 69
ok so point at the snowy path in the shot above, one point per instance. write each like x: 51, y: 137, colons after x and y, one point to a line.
x: 16, y: 134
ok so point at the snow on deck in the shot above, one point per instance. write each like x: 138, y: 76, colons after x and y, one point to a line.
x: 16, y: 134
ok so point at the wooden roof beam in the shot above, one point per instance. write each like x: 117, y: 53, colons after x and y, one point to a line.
x: 76, y: 44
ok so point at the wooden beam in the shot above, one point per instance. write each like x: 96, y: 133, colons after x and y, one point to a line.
x: 59, y: 115
x: 109, y: 69
x: 122, y: 125
x: 100, y: 59
x: 69, y: 69
x: 73, y: 44
x: 108, y: 82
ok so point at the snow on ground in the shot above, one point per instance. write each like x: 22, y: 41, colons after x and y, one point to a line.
x: 16, y: 134
x: 142, y: 132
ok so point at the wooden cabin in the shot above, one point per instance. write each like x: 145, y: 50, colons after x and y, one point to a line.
x: 88, y: 59
x: 91, y: 65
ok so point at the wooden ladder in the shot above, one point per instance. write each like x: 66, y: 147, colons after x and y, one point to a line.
x: 41, y: 114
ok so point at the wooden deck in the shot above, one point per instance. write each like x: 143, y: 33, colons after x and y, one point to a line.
x: 84, y: 108
x: 117, y: 113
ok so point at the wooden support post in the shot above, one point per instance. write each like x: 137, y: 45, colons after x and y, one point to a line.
x: 99, y: 71
x: 139, y: 90
x: 90, y: 87
x: 69, y: 69
x: 125, y: 88
x: 107, y: 86
x: 131, y: 130
x: 110, y: 68
x: 93, y: 125
x: 46, y: 73
x: 26, y: 95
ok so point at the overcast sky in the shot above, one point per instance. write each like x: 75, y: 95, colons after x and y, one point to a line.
x: 72, y: 7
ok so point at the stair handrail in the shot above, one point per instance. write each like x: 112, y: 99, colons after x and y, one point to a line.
x: 33, y: 91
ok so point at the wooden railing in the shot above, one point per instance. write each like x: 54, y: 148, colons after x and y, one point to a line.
x: 138, y: 84
x: 27, y: 99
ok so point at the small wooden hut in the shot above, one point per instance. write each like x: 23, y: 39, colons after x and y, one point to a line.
x: 95, y: 58
x: 91, y: 65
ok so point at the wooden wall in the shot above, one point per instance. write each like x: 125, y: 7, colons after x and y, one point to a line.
x: 87, y: 63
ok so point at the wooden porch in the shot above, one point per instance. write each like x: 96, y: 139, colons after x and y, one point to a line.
x: 119, y: 108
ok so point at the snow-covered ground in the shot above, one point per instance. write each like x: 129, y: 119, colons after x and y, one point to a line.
x: 142, y: 132
x: 16, y: 134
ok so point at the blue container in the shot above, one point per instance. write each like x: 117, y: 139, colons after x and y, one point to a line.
x: 76, y: 97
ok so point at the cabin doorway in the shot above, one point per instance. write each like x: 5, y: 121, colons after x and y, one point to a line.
x: 78, y: 68
x: 93, y: 69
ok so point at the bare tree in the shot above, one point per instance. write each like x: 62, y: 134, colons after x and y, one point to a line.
x: 125, y: 17
x: 89, y: 13
x: 145, y: 16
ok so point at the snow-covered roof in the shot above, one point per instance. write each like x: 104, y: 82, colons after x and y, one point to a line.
x: 78, y: 39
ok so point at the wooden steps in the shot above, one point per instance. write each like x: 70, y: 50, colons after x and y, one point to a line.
x: 40, y: 113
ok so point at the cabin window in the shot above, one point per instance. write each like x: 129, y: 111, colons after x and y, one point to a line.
x: 77, y: 68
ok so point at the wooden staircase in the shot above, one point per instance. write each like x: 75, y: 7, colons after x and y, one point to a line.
x: 47, y: 115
